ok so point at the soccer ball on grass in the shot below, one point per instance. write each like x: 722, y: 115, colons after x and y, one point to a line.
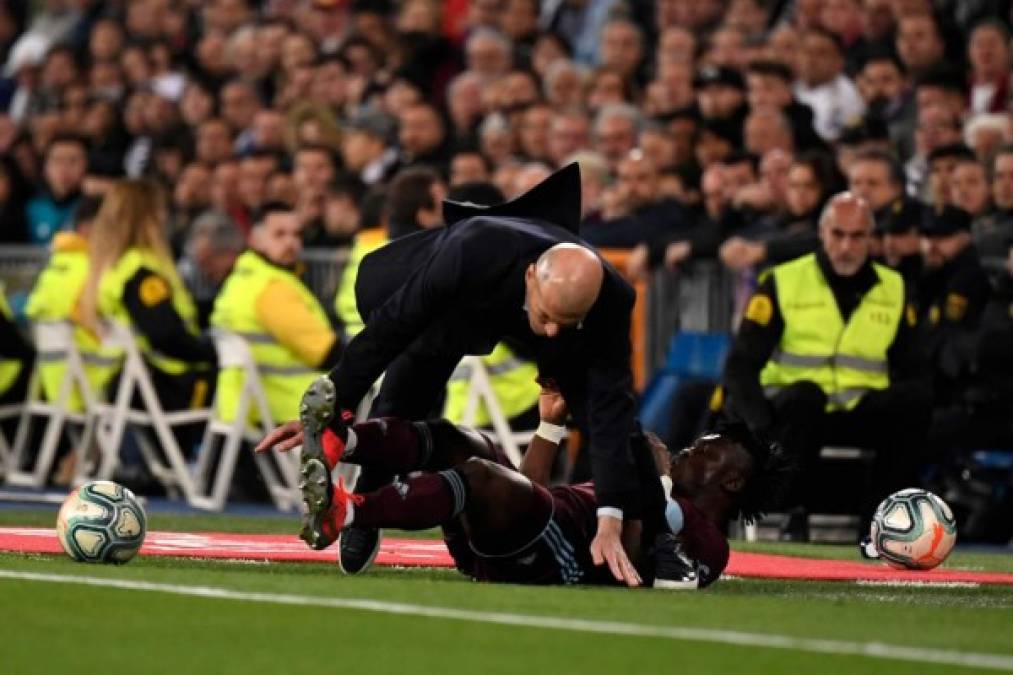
x: 913, y: 529
x: 101, y: 521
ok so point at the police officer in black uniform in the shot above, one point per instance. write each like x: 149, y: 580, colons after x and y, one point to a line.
x: 955, y: 291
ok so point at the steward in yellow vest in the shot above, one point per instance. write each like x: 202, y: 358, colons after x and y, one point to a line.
x: 366, y: 241
x: 264, y: 302
x: 132, y: 281
x: 827, y: 353
x: 54, y: 299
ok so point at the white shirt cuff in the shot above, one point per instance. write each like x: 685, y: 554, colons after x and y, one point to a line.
x: 610, y: 511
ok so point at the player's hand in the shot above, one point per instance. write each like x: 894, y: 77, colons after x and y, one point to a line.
x: 551, y: 405
x: 284, y: 438
x: 607, y: 548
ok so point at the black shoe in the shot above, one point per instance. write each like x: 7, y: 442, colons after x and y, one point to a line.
x: 796, y: 527
x: 673, y: 569
x: 358, y: 547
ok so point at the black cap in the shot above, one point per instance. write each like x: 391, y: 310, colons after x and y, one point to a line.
x: 709, y: 75
x: 861, y: 129
x: 945, y: 221
x: 900, y: 216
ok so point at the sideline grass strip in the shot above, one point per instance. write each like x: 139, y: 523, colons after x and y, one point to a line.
x: 877, y: 650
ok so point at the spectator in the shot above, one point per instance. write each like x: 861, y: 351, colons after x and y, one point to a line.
x: 636, y: 213
x: 720, y: 94
x: 210, y: 251
x: 52, y: 207
x: 791, y: 233
x: 823, y: 85
x: 992, y: 234
x: 366, y: 147
x: 919, y: 43
x: 766, y: 130
x: 988, y: 52
x: 622, y: 49
x: 423, y: 137
x: 615, y: 131
x: 468, y: 166
x: 942, y: 161
x: 970, y: 189
x: 985, y: 133
x: 263, y: 296
x: 768, y: 86
x: 937, y: 127
x: 569, y: 132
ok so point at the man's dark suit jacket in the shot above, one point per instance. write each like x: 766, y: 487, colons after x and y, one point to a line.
x: 461, y: 290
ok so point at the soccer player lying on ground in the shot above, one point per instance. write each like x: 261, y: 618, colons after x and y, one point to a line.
x: 504, y: 525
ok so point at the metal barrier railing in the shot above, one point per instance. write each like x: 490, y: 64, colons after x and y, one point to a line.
x: 699, y: 297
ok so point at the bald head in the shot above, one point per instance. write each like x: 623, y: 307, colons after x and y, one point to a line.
x: 846, y: 232
x: 562, y: 286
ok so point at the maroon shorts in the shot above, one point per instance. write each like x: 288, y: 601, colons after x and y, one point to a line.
x: 560, y: 525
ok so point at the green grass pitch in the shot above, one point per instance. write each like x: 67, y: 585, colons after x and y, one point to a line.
x: 179, y: 616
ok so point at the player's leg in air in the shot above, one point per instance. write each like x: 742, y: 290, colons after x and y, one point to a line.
x: 462, y: 474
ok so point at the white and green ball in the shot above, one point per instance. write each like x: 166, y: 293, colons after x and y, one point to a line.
x: 913, y: 529
x: 101, y: 521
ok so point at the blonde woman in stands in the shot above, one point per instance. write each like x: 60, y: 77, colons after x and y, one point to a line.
x: 133, y: 281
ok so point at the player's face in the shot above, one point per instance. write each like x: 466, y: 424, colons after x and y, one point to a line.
x: 698, y: 467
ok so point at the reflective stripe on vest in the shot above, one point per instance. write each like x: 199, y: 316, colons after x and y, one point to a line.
x: 284, y: 376
x: 786, y: 358
x: 845, y: 360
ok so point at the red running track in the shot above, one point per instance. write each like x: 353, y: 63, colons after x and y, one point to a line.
x: 432, y: 553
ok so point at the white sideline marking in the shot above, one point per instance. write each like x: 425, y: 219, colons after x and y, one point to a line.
x: 728, y: 637
x: 919, y: 584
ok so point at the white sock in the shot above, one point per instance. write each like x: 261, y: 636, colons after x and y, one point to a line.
x: 349, y: 514
x: 350, y: 442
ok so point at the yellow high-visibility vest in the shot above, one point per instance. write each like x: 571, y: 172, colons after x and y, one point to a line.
x: 345, y: 307
x: 845, y: 360
x: 112, y: 307
x: 512, y: 380
x: 284, y: 376
x: 54, y: 298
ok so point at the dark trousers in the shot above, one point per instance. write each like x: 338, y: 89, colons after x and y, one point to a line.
x: 892, y: 422
x: 413, y: 388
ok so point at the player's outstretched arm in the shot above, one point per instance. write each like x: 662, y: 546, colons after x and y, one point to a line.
x: 607, y: 548
x: 541, y: 453
x: 283, y: 438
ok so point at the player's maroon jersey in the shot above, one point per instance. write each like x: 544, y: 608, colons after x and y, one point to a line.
x: 703, y: 542
x: 557, y: 548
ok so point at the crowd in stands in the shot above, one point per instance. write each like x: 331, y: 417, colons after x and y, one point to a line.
x: 704, y: 129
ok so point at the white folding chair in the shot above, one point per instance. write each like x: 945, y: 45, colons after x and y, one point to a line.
x: 167, y: 463
x: 280, y: 471
x: 480, y: 390
x: 54, y: 340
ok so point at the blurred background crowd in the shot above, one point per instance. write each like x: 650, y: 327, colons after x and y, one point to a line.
x: 704, y: 129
